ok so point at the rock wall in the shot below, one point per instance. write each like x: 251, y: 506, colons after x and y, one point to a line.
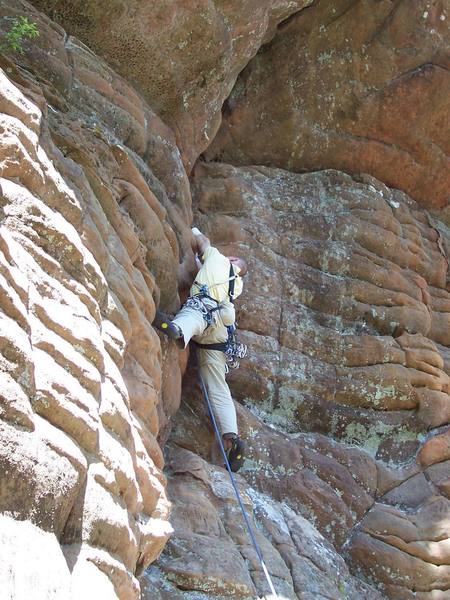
x: 86, y: 248
x: 210, y: 554
x: 183, y: 56
x: 354, y: 86
x: 344, y: 401
x: 345, y: 394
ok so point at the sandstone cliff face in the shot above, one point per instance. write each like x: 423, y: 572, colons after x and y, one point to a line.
x: 183, y: 56
x: 355, y: 86
x: 344, y: 401
x: 86, y: 248
x: 347, y: 316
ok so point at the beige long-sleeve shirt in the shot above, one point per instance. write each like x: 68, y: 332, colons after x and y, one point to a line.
x: 215, y: 274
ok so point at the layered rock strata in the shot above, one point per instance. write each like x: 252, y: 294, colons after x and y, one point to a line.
x: 346, y: 312
x: 86, y: 248
x: 211, y: 556
x: 344, y: 401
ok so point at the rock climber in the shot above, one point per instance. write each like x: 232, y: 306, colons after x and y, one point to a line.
x: 208, y: 318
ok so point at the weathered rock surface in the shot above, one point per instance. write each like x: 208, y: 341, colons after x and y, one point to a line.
x: 346, y: 310
x: 211, y: 550
x: 354, y: 86
x: 86, y: 249
x: 344, y: 401
x: 183, y: 56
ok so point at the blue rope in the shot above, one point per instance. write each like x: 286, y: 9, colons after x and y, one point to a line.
x: 236, y: 491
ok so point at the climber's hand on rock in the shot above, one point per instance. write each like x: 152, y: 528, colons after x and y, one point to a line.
x: 199, y: 242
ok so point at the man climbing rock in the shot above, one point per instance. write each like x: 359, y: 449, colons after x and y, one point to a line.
x: 208, y: 318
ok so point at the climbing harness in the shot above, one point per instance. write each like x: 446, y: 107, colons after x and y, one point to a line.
x: 234, y: 351
x: 236, y: 490
x: 204, y: 304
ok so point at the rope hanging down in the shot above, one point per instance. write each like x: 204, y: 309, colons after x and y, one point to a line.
x: 236, y: 491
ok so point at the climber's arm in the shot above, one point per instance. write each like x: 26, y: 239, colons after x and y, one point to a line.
x: 191, y: 263
x: 199, y: 242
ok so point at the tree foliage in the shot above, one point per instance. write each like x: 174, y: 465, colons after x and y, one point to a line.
x: 20, y: 30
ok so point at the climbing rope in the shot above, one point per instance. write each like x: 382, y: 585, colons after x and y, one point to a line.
x: 236, y: 491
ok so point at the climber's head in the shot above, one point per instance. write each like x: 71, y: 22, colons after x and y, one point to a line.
x: 240, y: 263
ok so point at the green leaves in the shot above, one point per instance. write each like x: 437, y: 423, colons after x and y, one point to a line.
x: 21, y: 29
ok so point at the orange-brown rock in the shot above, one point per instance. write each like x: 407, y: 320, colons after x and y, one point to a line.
x: 184, y: 57
x: 354, y: 86
x: 344, y: 401
x: 344, y: 312
x: 87, y: 247
x: 211, y: 551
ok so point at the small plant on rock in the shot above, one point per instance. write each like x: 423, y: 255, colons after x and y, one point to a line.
x: 21, y: 29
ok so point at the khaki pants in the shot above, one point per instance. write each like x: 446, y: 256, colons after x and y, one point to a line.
x: 212, y: 364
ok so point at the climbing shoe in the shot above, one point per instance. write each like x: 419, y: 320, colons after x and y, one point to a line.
x: 235, y: 454
x: 164, y: 324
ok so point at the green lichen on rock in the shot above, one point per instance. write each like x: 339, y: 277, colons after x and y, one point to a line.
x: 371, y: 438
